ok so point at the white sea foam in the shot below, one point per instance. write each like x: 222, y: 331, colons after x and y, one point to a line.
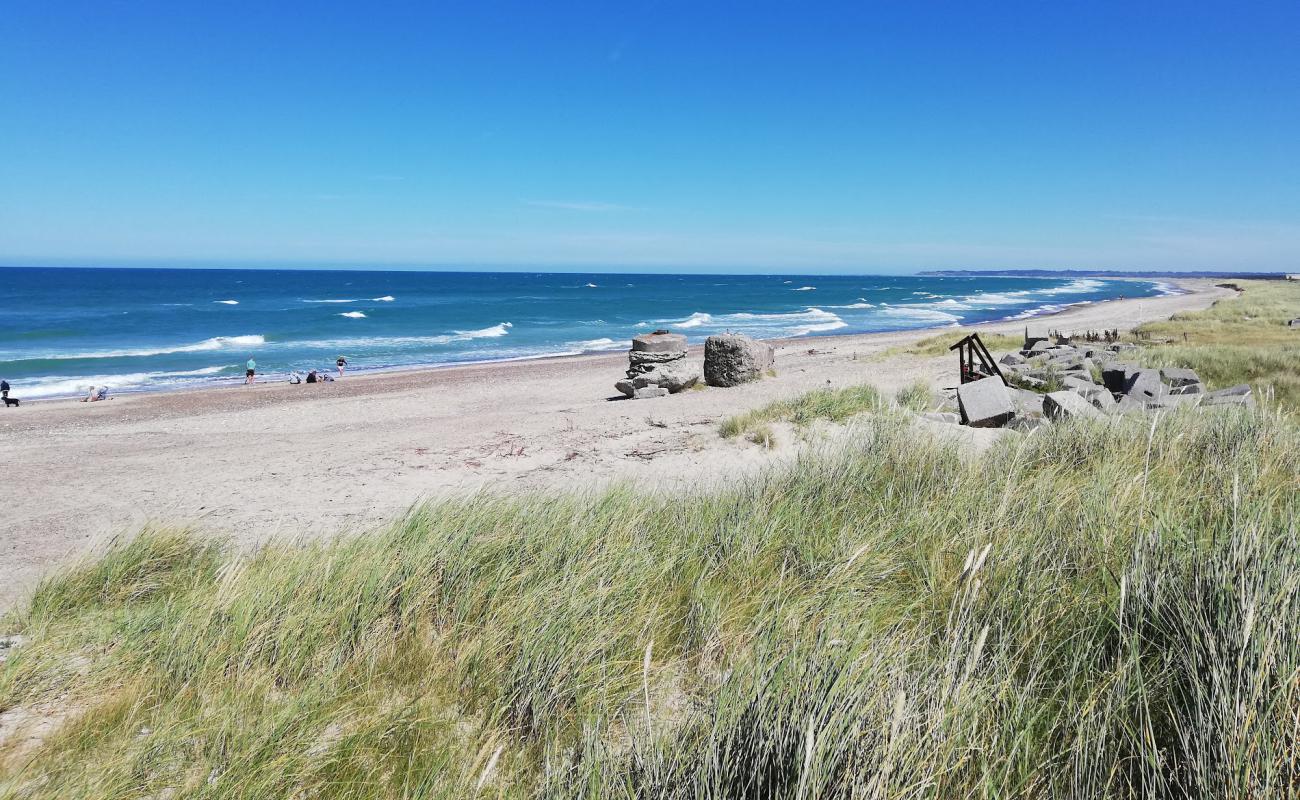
x: 695, y: 320
x: 792, y: 323
x: 388, y: 298
x: 805, y: 289
x: 590, y: 286
x: 215, y: 343
x: 227, y: 302
x: 329, y: 301
x: 353, y: 314
x: 856, y: 305
x: 597, y: 344
x: 919, y: 314
x: 400, y: 342
x: 71, y: 386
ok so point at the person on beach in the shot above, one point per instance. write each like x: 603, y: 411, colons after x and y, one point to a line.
x: 250, y: 372
x: 341, y: 363
x: 95, y: 394
x: 295, y: 377
x: 4, y: 389
x: 311, y: 377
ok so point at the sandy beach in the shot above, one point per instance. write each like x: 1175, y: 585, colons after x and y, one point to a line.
x: 276, y: 459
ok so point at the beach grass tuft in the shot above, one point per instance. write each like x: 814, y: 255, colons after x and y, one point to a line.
x: 832, y: 405
x: 1103, y: 609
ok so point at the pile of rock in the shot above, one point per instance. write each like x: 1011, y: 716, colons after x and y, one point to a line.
x: 1094, y: 381
x: 657, y: 366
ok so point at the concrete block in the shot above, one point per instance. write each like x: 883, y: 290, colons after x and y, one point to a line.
x: 1068, y: 405
x: 1176, y: 376
x: 1115, y: 375
x: 1145, y: 385
x: 1239, y: 395
x: 985, y: 403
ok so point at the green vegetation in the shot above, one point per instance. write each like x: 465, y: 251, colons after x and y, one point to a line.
x: 1094, y: 611
x: 834, y: 405
x: 1053, y: 382
x: 1244, y: 339
x: 939, y: 344
x: 915, y: 397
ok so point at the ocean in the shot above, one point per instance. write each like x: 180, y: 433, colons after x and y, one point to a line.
x: 63, y: 329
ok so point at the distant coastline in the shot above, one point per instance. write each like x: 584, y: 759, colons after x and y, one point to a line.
x: 1087, y: 273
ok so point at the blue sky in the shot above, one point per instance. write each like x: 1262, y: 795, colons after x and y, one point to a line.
x: 854, y: 137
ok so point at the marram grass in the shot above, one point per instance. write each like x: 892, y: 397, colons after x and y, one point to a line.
x: 1091, y: 611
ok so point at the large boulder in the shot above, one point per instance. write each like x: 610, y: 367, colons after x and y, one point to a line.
x: 1116, y: 374
x: 985, y: 403
x: 1068, y: 405
x: 672, y: 378
x: 1027, y: 403
x: 1077, y: 382
x: 1239, y: 395
x: 1145, y: 385
x: 731, y: 359
x: 1178, y: 377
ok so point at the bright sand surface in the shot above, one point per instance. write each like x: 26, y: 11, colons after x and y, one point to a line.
x: 318, y: 460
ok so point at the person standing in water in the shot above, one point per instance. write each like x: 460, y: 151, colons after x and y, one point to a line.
x: 341, y: 363
x: 250, y: 372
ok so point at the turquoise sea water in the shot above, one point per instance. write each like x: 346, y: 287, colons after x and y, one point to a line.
x: 147, y: 329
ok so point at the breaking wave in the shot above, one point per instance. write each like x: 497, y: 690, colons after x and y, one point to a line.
x: 227, y: 302
x: 70, y: 386
x: 793, y: 323
x: 353, y: 314
x: 215, y: 343
x: 597, y: 344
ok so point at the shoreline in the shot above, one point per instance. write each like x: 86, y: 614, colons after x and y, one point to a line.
x: 350, y: 456
x: 1170, y: 288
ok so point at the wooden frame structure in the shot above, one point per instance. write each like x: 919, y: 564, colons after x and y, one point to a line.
x: 974, y: 360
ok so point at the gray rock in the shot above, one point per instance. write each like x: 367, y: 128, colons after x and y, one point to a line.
x: 1115, y: 375
x: 1075, y: 381
x: 1176, y: 377
x: 1295, y: 323
x: 1068, y: 405
x: 732, y: 359
x: 649, y: 392
x: 1027, y: 403
x: 659, y: 343
x: 985, y: 403
x: 1099, y: 398
x: 1239, y: 395
x: 1012, y: 359
x: 941, y: 416
x: 1145, y: 385
x: 1123, y: 347
x: 1126, y: 405
x: 674, y: 377
x: 1026, y: 424
x: 639, y: 361
x: 1193, y: 388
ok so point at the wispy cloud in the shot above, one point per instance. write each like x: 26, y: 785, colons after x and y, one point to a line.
x: 565, y: 205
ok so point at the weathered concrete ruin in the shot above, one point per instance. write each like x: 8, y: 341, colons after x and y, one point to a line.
x: 657, y: 366
x: 1048, y: 382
